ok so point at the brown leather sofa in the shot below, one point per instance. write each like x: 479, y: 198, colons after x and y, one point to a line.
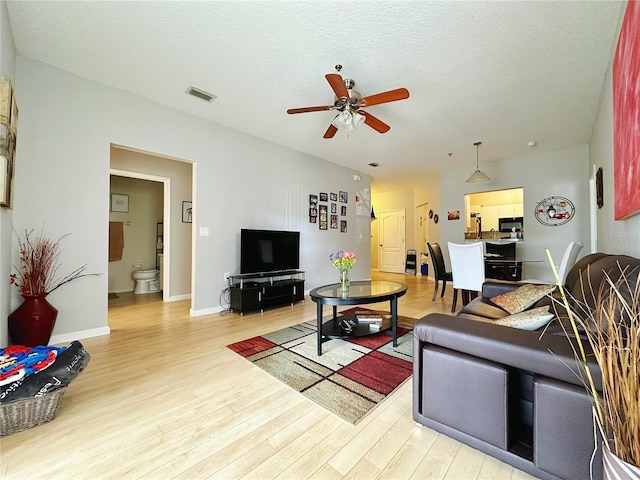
x: 514, y: 394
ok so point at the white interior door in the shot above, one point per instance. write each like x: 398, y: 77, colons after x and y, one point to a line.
x: 391, y: 235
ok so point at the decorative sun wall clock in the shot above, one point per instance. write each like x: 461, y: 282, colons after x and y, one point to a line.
x: 554, y: 211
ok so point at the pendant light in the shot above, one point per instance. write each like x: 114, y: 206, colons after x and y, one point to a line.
x: 477, y: 176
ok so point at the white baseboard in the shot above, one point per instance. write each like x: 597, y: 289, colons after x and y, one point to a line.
x: 205, y: 311
x: 79, y: 335
x: 176, y: 298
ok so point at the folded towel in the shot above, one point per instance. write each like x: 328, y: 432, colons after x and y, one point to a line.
x: 116, y: 241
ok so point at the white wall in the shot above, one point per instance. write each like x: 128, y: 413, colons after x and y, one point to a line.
x: 7, y: 68
x: 561, y: 173
x: 180, y: 177
x: 67, y: 127
x: 614, y: 236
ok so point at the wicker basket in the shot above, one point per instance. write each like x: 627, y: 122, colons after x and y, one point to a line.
x: 29, y: 412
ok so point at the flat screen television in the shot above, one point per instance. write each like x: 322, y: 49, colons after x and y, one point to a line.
x: 269, y: 250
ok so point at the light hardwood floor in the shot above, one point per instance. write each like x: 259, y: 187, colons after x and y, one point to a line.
x: 163, y: 397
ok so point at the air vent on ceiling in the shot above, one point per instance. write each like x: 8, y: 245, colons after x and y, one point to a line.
x: 201, y: 94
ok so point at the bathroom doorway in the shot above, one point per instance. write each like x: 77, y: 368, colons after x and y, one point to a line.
x: 176, y: 176
x: 143, y: 215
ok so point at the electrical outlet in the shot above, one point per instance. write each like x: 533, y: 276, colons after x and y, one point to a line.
x: 226, y: 276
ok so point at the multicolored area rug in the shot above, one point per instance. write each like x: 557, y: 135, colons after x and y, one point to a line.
x: 350, y: 378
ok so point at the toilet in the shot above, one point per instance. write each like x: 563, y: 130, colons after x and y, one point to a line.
x: 147, y: 281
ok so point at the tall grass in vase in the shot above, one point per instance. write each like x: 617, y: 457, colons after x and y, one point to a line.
x: 611, y: 326
x: 36, y: 276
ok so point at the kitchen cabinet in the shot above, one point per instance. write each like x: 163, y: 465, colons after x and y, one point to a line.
x: 490, y: 215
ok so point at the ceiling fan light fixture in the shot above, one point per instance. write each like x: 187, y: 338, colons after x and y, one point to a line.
x: 358, y: 119
x: 348, y: 121
x: 345, y: 118
x: 477, y: 176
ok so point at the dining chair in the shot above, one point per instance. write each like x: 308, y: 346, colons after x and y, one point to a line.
x: 568, y: 260
x: 467, y: 267
x: 440, y: 273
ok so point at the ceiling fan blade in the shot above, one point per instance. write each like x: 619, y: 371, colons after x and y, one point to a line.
x: 337, y: 84
x: 331, y: 131
x: 309, y: 109
x: 375, y: 123
x: 384, y: 97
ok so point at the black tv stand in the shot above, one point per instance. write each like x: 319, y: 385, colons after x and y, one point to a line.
x: 257, y: 291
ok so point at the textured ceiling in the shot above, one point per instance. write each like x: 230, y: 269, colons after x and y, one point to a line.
x: 501, y: 72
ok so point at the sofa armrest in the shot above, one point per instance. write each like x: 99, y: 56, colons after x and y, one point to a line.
x: 550, y: 355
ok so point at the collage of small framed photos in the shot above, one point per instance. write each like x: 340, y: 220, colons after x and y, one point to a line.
x: 324, y: 209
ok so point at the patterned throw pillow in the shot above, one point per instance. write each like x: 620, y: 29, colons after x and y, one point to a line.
x: 530, y: 320
x: 522, y: 297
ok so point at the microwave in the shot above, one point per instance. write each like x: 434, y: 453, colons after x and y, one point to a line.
x: 507, y: 224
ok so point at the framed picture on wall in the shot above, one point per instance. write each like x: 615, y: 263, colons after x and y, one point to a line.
x: 599, y: 189
x: 626, y: 112
x: 453, y: 215
x: 187, y: 212
x: 8, y: 132
x: 119, y: 203
x: 7, y: 149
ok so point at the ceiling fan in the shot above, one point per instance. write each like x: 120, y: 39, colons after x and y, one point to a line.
x: 348, y: 102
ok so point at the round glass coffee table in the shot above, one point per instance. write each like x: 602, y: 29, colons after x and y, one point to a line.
x: 360, y: 292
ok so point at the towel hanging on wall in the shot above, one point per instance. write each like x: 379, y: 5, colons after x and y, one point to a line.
x: 116, y: 241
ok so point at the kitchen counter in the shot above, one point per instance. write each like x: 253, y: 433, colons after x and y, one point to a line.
x: 493, y: 240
